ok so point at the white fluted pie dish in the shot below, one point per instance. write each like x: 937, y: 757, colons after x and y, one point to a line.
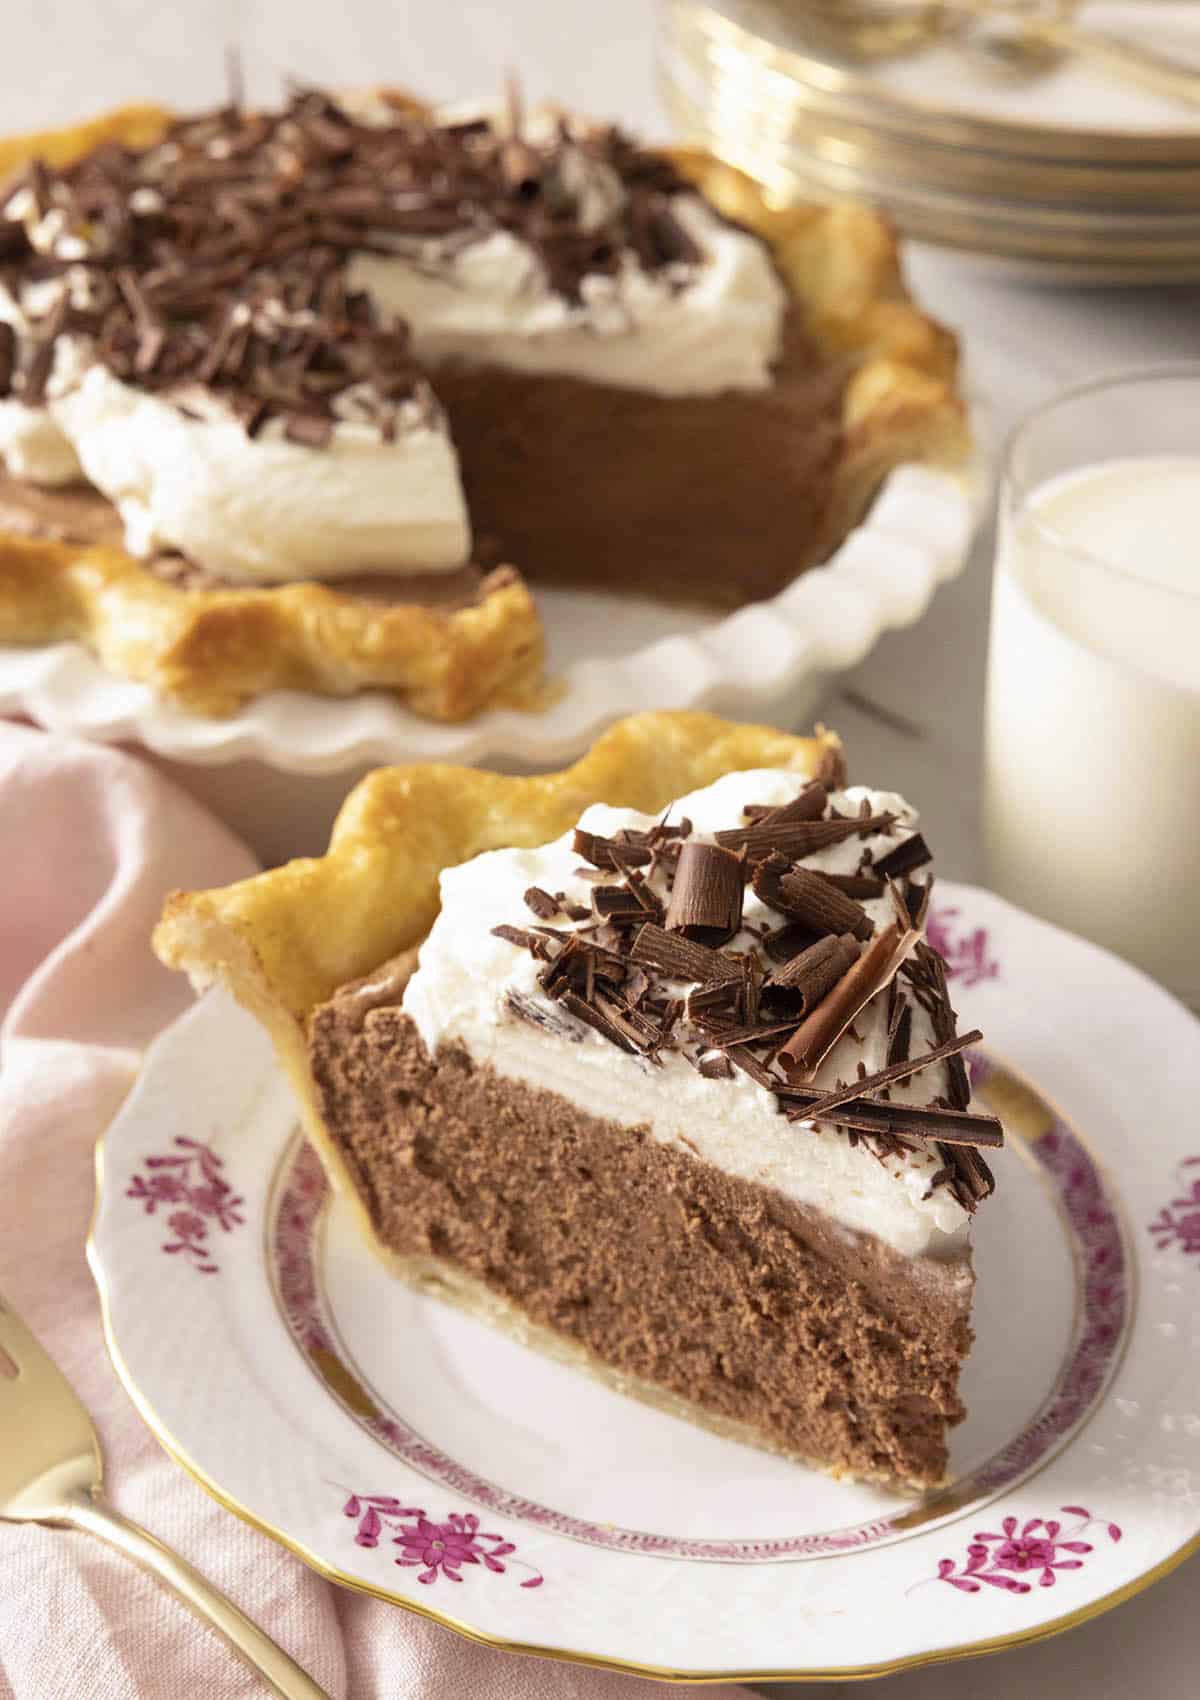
x: 608, y: 656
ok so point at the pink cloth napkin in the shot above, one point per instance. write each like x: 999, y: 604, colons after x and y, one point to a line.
x: 90, y: 841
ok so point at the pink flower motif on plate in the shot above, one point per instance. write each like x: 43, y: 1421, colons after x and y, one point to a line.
x: 1178, y: 1223
x: 966, y: 953
x: 191, y: 1178
x: 435, y: 1549
x: 1041, y: 1547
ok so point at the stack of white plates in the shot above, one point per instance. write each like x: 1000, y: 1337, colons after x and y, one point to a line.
x: 1072, y: 172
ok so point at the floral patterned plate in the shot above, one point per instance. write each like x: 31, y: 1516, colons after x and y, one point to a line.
x: 405, y: 1449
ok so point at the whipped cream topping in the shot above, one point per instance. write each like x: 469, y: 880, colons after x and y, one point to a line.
x: 619, y: 276
x: 266, y: 509
x: 466, y: 978
x: 254, y: 510
x: 689, y: 329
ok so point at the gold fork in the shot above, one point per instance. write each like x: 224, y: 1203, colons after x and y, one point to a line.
x: 51, y: 1472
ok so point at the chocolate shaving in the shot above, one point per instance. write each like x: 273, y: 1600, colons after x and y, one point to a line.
x: 805, y: 979
x: 916, y: 898
x: 614, y: 853
x: 533, y: 942
x: 928, y: 974
x: 749, y: 1064
x: 823, y: 1027
x: 973, y: 1181
x: 541, y: 1015
x: 8, y: 357
x: 722, y: 1033
x: 706, y: 898
x: 809, y: 897
x: 868, y: 1083
x: 857, y: 885
x: 722, y: 998
x: 715, y: 1065
x: 809, y: 805
x: 899, y: 1028
x: 541, y: 903
x: 903, y: 858
x: 613, y: 1019
x: 681, y: 959
x: 799, y: 838
x: 909, y: 1121
x: 618, y: 903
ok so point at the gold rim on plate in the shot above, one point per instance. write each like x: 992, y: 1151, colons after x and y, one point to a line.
x: 1071, y: 244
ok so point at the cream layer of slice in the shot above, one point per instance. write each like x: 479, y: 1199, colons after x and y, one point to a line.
x: 467, y: 978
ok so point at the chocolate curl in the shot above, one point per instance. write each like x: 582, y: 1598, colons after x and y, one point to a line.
x: 706, y: 899
x: 682, y: 959
x: 799, y: 838
x: 809, y: 897
x: 789, y: 941
x: 820, y: 1030
x: 807, y: 977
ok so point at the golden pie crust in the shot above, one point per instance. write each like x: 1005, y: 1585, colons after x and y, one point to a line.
x: 283, y: 941
x: 212, y: 650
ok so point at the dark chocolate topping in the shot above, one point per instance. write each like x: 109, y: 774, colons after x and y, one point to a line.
x: 646, y: 971
x: 210, y: 267
x: 706, y: 898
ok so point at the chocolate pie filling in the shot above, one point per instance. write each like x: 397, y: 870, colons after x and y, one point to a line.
x: 757, y: 1311
x: 712, y: 499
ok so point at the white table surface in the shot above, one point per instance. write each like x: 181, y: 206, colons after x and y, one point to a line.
x: 66, y: 57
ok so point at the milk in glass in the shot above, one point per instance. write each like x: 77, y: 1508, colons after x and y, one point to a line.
x: 1092, y: 776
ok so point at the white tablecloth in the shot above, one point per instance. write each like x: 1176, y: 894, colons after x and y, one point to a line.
x: 67, y: 57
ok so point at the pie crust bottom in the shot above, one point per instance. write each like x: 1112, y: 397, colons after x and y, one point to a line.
x: 446, y: 646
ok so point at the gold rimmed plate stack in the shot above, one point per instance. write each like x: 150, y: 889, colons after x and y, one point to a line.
x: 1060, y: 165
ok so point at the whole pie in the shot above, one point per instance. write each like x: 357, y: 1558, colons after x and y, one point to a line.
x: 303, y: 398
x: 649, y: 1063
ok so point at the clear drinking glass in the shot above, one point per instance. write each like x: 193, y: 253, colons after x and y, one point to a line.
x: 1092, y: 760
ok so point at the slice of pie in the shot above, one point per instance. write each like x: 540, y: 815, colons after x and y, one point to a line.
x: 671, y: 1087
x: 282, y: 392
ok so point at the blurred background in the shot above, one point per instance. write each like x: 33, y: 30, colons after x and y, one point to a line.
x: 915, y: 706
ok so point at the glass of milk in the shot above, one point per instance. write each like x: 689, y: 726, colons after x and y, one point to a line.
x: 1092, y: 759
